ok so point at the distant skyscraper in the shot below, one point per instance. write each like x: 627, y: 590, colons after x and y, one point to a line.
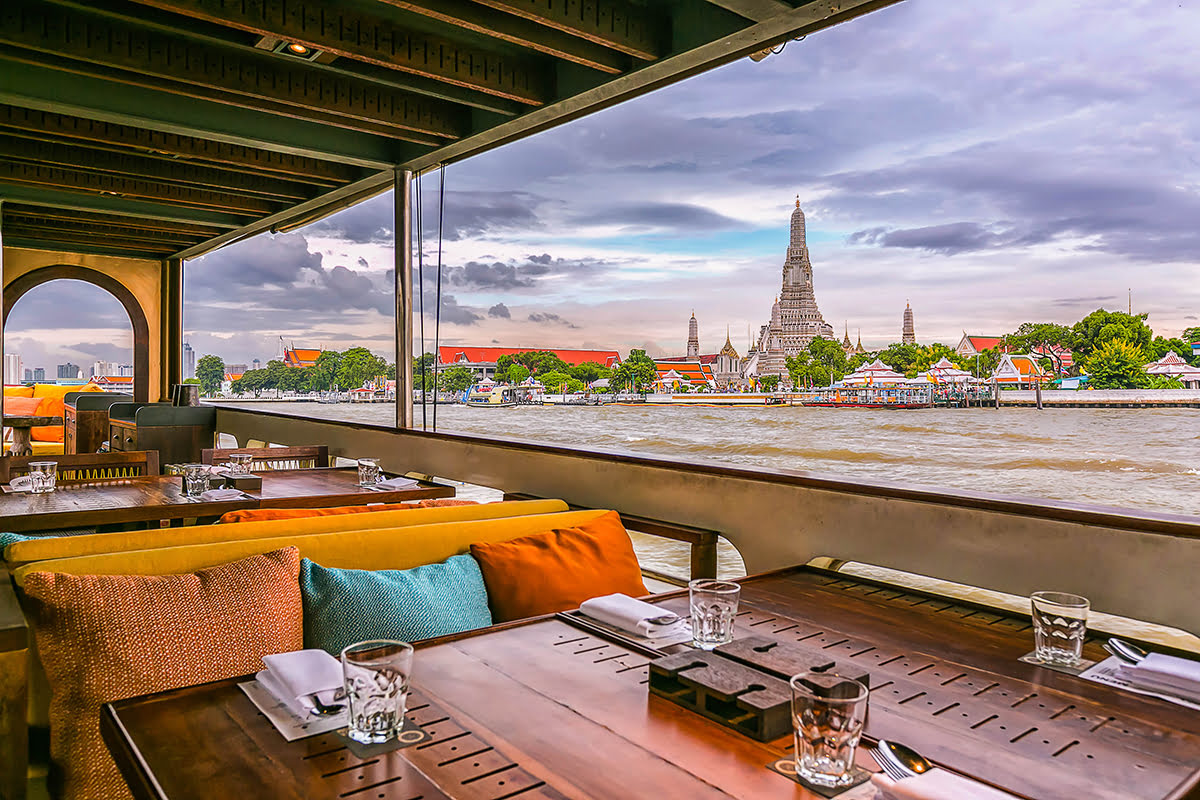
x: 256, y: 364
x: 67, y: 371
x: 39, y: 374
x: 910, y: 335
x: 693, y: 343
x: 28, y: 374
x: 12, y: 368
x: 189, y: 361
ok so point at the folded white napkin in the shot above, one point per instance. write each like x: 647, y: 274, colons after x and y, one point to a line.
x: 628, y: 614
x: 219, y: 495
x: 293, y: 677
x: 21, y: 483
x: 937, y: 784
x: 1167, y: 674
x: 395, y: 484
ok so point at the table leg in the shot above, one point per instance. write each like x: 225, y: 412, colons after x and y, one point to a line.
x: 21, y: 442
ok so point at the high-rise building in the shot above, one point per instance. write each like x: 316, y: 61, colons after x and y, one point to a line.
x: 256, y: 364
x: 909, y: 334
x: 189, y: 361
x: 39, y: 374
x: 68, y: 371
x: 693, y: 342
x: 28, y: 375
x: 12, y: 368
x: 125, y: 371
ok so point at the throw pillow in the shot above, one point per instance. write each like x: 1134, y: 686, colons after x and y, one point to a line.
x: 18, y: 391
x: 21, y: 406
x: 557, y: 570
x: 261, y: 514
x: 344, y: 606
x: 108, y: 637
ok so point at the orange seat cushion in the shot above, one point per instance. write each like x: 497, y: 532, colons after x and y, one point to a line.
x: 18, y: 391
x: 21, y: 406
x: 261, y: 514
x: 53, y: 406
x: 557, y: 570
x: 108, y: 637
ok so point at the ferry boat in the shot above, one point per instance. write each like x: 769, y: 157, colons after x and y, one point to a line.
x: 496, y: 396
x: 137, y: 143
x: 868, y: 397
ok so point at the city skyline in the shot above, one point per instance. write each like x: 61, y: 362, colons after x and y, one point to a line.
x: 1021, y: 174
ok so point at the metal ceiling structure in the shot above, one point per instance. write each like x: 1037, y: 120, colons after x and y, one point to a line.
x: 166, y: 128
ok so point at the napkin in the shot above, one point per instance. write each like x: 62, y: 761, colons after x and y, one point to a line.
x: 21, y: 483
x: 628, y: 614
x: 220, y: 495
x: 937, y: 784
x: 1167, y: 674
x: 292, y: 677
x: 395, y: 484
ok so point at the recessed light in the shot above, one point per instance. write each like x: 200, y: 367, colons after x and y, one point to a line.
x: 296, y: 50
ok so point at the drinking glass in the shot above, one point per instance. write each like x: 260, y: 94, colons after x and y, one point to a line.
x: 376, y: 678
x: 1059, y: 625
x: 828, y: 713
x: 43, y: 475
x: 195, y: 479
x: 714, y: 604
x: 368, y: 471
x: 239, y: 463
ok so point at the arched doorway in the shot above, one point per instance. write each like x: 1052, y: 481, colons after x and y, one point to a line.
x: 137, y: 317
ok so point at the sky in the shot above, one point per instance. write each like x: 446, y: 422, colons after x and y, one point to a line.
x: 988, y: 163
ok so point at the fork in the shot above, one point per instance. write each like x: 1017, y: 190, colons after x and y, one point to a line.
x: 894, y: 769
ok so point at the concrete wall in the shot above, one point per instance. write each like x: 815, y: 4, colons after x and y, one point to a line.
x: 1132, y: 563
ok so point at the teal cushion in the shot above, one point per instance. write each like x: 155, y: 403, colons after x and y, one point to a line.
x: 10, y: 538
x: 344, y: 606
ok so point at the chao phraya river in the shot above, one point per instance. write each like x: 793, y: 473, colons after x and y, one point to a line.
x: 1138, y: 458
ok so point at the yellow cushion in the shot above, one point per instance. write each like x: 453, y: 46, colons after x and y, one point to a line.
x: 18, y: 391
x: 47, y: 448
x: 389, y: 548
x: 53, y: 406
x: 71, y: 546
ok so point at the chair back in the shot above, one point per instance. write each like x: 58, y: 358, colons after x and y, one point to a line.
x: 86, y: 467
x: 314, y: 456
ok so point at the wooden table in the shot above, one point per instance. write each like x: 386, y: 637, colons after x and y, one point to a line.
x: 22, y: 428
x: 547, y: 709
x: 160, y: 497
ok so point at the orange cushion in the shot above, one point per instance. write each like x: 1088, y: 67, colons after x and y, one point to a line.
x: 108, y: 637
x: 21, y: 406
x: 261, y: 514
x: 53, y: 406
x: 557, y: 570
x: 18, y: 391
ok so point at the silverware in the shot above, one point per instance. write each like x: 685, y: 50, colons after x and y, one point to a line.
x: 665, y: 619
x: 899, y: 761
x: 323, y: 709
x: 1126, y: 651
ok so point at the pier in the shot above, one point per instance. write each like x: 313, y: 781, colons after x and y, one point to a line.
x: 1103, y: 398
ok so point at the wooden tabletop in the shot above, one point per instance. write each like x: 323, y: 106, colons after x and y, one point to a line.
x: 26, y: 421
x: 160, y: 497
x: 548, y: 709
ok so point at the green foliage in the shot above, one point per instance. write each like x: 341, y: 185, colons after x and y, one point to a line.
x: 324, y: 373
x: 515, y: 374
x: 237, y: 387
x: 573, y: 385
x: 768, y: 383
x: 1163, y: 382
x: 455, y: 379
x: 589, y: 371
x: 804, y: 371
x: 210, y: 372
x: 986, y: 362
x: 357, y: 366
x: 536, y: 361
x: 636, y: 373
x: 553, y: 381
x: 1100, y: 327
x: 828, y: 355
x: 423, y: 372
x: 1160, y: 347
x: 1042, y: 336
x: 1190, y: 335
x: 1117, y: 364
x: 904, y: 358
x: 192, y: 381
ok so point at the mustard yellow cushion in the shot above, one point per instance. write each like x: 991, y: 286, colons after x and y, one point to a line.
x: 18, y: 391
x: 47, y: 448
x: 52, y: 405
x: 389, y: 548
x: 264, y: 514
x: 42, y: 549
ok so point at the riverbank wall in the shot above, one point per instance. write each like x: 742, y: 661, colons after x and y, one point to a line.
x: 1103, y: 398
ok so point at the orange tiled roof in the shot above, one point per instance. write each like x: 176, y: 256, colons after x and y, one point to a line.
x: 449, y: 354
x: 300, y: 357
x: 233, y: 376
x: 693, y: 372
x: 704, y: 359
x: 126, y: 379
x: 981, y: 343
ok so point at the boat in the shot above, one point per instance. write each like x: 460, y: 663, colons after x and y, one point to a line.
x: 495, y: 396
x: 898, y: 397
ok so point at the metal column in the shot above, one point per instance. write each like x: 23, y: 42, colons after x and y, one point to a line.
x: 401, y: 195
x: 170, y: 336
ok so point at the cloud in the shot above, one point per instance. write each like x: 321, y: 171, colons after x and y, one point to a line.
x: 499, y: 311
x: 679, y: 218
x: 547, y: 318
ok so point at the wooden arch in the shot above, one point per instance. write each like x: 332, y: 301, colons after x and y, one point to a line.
x: 15, y: 290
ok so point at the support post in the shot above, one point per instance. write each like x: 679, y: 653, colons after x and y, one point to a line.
x: 1037, y: 393
x: 171, y: 327
x: 401, y: 194
x: 3, y: 315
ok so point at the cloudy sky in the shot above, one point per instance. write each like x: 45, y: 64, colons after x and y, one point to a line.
x: 991, y: 163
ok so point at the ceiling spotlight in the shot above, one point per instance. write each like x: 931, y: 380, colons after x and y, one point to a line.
x: 297, y: 50
x: 759, y: 55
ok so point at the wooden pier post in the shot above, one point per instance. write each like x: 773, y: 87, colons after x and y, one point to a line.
x: 996, y: 392
x: 1037, y: 393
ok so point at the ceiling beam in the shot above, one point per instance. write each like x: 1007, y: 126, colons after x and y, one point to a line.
x: 343, y: 31
x: 56, y: 237
x: 624, y: 27
x: 86, y: 159
x: 56, y: 227
x: 756, y: 10
x: 91, y: 97
x: 517, y: 30
x: 175, y: 148
x: 240, y: 78
x: 90, y: 248
x: 112, y: 221
x: 121, y: 206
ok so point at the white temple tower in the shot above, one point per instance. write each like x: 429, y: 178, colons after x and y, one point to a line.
x: 693, y: 342
x: 909, y: 335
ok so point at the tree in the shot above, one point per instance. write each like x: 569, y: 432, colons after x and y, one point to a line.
x: 455, y: 379
x: 553, y: 381
x: 324, y: 372
x: 829, y: 355
x: 210, y: 371
x: 1190, y: 335
x: 903, y: 358
x: 589, y: 371
x: 357, y: 366
x: 986, y: 362
x: 768, y: 383
x: 1117, y: 364
x: 236, y: 387
x: 636, y: 372
x: 1160, y: 347
x: 1100, y: 327
x: 573, y: 385
x: 1043, y: 338
x: 515, y: 374
x: 423, y: 372
x: 273, y: 374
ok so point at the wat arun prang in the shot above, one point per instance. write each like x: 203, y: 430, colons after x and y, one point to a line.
x: 795, y: 318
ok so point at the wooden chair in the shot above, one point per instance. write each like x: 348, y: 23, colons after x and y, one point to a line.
x: 86, y: 467
x: 272, y: 458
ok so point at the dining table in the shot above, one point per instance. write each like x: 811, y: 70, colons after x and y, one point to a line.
x: 22, y: 426
x: 558, y: 706
x: 161, y: 498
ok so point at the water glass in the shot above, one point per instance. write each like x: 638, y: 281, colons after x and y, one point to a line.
x: 828, y: 714
x: 1059, y: 625
x: 368, y: 471
x: 376, y: 677
x: 43, y: 475
x: 239, y: 463
x: 195, y: 479
x: 713, y: 604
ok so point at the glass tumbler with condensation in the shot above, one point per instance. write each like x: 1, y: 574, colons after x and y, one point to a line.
x: 828, y: 714
x: 368, y: 471
x: 1059, y: 625
x: 376, y: 675
x: 195, y: 479
x: 239, y: 463
x: 43, y: 476
x: 713, y: 605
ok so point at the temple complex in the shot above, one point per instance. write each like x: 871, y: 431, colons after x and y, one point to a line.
x: 719, y: 371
